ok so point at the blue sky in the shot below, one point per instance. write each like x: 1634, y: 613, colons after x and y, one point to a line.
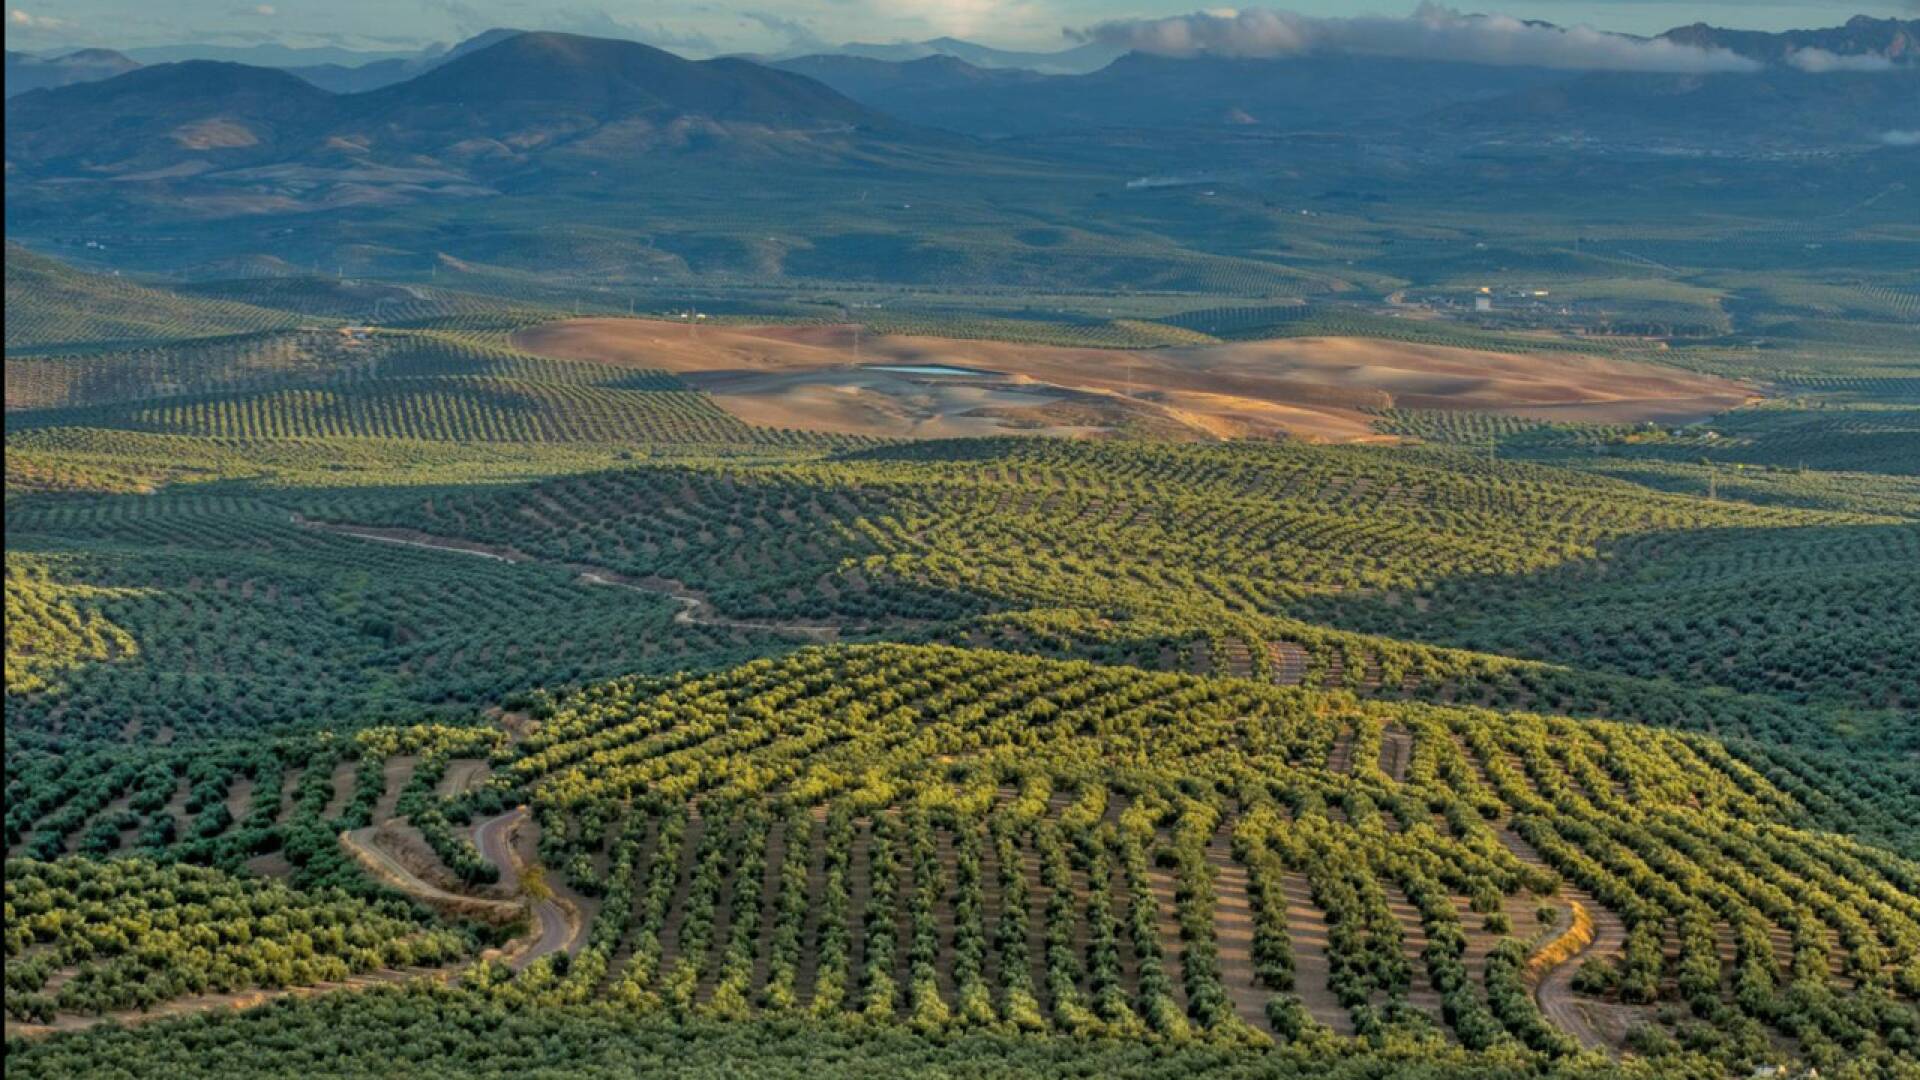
x: 702, y: 27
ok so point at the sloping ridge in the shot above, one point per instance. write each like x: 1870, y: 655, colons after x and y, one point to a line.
x: 158, y: 114
x: 608, y: 79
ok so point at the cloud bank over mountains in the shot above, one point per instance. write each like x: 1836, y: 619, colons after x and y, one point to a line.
x: 1817, y: 61
x: 1433, y: 32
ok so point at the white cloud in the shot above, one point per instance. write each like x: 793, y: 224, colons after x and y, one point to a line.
x: 967, y: 18
x: 1900, y: 138
x: 27, y: 20
x: 1823, y: 62
x: 1432, y: 32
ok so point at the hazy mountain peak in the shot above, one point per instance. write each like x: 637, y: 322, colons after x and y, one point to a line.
x: 28, y: 72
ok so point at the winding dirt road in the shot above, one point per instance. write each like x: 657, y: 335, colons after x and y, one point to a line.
x: 1582, y: 1017
x: 1598, y: 1025
x: 560, y: 927
x: 695, y: 609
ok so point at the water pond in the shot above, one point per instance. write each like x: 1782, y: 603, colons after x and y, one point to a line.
x: 924, y: 369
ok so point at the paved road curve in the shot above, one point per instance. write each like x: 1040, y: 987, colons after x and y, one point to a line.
x: 557, y: 929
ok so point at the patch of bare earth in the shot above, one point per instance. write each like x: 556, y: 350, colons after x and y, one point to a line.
x: 273, y: 864
x: 289, y: 796
x: 1307, y: 932
x: 1396, y: 750
x: 343, y: 778
x: 393, y: 776
x: 462, y: 776
x: 1317, y: 389
x: 1233, y: 931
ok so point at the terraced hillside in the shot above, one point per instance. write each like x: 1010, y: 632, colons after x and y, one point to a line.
x: 963, y: 840
x: 952, y: 804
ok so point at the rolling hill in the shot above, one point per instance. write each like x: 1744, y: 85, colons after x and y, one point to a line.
x: 54, y: 307
x: 182, y: 117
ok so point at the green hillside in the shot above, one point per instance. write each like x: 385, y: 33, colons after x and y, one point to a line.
x: 54, y: 307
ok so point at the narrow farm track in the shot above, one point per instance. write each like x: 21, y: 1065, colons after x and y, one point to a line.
x: 237, y: 1001
x: 1566, y: 1009
x: 1605, y: 935
x: 391, y: 871
x: 695, y: 609
x: 558, y: 924
x: 558, y: 929
x: 1396, y: 750
x: 462, y: 775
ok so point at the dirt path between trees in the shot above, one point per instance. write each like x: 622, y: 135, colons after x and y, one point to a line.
x: 559, y: 926
x: 1592, y: 931
x: 237, y: 1000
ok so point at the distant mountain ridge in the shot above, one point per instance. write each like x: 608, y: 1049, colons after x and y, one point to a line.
x: 527, y: 100
x: 1078, y: 60
x: 1897, y: 40
x: 27, y: 72
x: 610, y: 77
x: 264, y: 54
x: 1785, y: 104
x: 359, y: 78
x: 540, y: 113
x: 348, y: 71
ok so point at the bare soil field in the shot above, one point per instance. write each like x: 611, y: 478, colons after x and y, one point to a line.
x: 462, y: 775
x: 394, y: 775
x: 812, y: 377
x: 343, y: 778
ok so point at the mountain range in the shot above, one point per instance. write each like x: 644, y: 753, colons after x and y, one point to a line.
x: 538, y: 113
x: 525, y: 98
x: 350, y: 78
x: 1862, y: 38
x: 1895, y: 40
x: 1417, y: 102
